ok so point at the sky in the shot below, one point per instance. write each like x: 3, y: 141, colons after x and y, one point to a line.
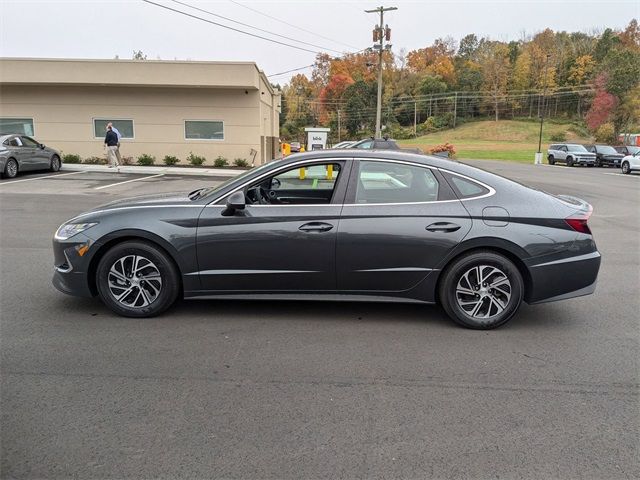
x: 106, y: 29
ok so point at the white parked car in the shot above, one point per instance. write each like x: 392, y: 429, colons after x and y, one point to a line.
x: 571, y: 154
x: 631, y: 163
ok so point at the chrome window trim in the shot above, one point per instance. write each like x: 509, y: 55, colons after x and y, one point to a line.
x: 491, y: 190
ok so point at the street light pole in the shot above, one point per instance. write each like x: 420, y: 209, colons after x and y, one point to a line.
x: 381, y: 37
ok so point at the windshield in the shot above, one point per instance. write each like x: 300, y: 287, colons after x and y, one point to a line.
x: 217, y: 188
x: 606, y: 149
x: 634, y: 150
x: 577, y: 148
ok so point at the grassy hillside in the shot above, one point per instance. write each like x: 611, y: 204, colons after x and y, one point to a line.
x: 515, y: 140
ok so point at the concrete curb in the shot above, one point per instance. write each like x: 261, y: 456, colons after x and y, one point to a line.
x: 211, y: 172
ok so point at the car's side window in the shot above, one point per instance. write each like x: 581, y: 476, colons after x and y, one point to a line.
x: 383, y: 182
x: 28, y: 142
x: 15, y: 142
x: 308, y: 185
x: 466, y: 188
x: 366, y: 145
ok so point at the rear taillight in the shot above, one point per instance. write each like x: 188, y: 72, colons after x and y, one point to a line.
x: 578, y: 221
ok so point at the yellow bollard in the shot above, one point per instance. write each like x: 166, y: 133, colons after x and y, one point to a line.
x: 303, y: 173
x: 330, y: 171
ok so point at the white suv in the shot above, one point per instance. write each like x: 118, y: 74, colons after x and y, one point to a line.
x: 631, y: 163
x: 571, y: 154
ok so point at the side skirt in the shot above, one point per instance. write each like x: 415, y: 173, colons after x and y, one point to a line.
x: 301, y: 297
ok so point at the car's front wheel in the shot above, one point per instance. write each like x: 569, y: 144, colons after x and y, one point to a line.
x: 626, y: 168
x: 55, y: 163
x: 481, y: 290
x: 11, y: 168
x: 137, y: 279
x: 569, y: 162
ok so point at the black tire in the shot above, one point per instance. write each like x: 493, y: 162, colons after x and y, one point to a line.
x: 626, y: 168
x: 551, y: 160
x: 11, y: 168
x: 125, y: 254
x: 598, y: 163
x: 569, y: 162
x: 55, y: 163
x: 453, y: 278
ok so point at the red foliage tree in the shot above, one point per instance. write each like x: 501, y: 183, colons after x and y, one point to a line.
x: 603, y: 105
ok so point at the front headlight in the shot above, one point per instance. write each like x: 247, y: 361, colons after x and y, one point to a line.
x: 68, y: 230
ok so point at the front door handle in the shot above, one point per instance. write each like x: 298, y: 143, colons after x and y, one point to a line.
x: 443, y: 227
x: 317, y: 227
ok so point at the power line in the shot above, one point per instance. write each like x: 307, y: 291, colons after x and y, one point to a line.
x: 290, y: 25
x: 251, y: 26
x: 230, y: 28
x: 290, y: 71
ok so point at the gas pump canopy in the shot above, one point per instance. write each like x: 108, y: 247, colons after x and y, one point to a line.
x: 317, y: 138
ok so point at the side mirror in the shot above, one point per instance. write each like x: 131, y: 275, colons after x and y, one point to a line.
x: 42, y: 146
x: 235, y: 201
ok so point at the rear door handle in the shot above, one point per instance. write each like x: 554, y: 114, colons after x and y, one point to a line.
x: 443, y: 227
x: 315, y: 227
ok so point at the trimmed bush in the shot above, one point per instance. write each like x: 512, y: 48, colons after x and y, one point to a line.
x: 146, y: 159
x: 170, y: 160
x: 241, y: 162
x: 195, y: 160
x: 558, y: 137
x: 95, y: 161
x: 220, y: 162
x: 71, y: 158
x: 445, y: 147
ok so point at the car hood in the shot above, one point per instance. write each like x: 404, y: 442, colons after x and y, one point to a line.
x: 166, y: 199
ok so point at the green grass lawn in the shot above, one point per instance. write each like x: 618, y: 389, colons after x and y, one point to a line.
x: 513, y: 140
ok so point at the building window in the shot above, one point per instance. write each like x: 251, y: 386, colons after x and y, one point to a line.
x: 125, y: 127
x: 203, y: 130
x: 21, y: 126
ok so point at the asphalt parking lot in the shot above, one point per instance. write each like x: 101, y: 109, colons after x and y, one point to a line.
x: 314, y: 390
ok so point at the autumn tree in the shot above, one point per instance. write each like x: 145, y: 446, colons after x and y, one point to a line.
x: 495, y: 71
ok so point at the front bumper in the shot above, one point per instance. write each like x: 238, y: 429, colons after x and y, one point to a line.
x: 564, y: 278
x: 72, y: 259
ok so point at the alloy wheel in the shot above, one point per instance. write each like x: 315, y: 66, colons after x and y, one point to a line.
x: 12, y: 168
x: 484, y: 291
x: 134, y: 281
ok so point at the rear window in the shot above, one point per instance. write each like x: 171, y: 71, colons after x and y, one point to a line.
x: 466, y: 188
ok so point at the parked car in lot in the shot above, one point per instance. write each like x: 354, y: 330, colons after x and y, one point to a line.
x: 382, y: 144
x: 337, y: 225
x: 605, y: 155
x: 19, y: 153
x: 627, y: 149
x: 571, y: 154
x: 631, y: 163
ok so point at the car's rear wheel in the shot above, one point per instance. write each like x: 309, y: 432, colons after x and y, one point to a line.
x: 551, y: 160
x: 11, y: 168
x: 55, y: 163
x: 626, y: 168
x: 137, y: 279
x: 481, y: 290
x: 569, y: 162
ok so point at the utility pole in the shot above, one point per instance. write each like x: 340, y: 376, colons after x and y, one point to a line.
x: 538, y: 159
x: 338, y: 125
x: 415, y: 119
x: 379, y: 35
x: 455, y: 109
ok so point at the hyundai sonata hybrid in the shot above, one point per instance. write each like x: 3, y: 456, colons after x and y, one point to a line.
x: 337, y: 225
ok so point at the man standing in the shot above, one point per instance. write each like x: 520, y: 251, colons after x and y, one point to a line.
x: 117, y: 132
x: 111, y: 143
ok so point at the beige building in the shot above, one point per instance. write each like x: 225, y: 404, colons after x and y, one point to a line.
x: 212, y: 109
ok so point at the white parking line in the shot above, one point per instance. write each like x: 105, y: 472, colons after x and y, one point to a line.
x: 37, y: 178
x: 622, y: 174
x: 128, y: 181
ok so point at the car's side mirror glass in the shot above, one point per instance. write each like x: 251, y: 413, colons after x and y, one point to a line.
x: 235, y: 201
x: 42, y: 146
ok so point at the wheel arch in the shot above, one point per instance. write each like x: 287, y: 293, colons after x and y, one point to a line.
x: 503, y: 247
x: 115, y: 238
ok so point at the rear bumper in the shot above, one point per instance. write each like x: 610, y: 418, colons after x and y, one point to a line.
x: 564, y: 278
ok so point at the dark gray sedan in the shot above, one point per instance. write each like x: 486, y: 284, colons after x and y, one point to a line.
x: 337, y: 225
x: 19, y: 153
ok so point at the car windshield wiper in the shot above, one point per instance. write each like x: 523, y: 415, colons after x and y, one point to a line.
x: 197, y: 193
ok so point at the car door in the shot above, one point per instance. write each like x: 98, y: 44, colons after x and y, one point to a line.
x: 398, y: 222
x: 38, y: 157
x: 285, y: 238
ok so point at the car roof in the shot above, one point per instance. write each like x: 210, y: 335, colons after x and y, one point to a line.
x: 377, y: 154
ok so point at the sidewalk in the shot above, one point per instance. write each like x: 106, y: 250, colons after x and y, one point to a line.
x: 212, y: 172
